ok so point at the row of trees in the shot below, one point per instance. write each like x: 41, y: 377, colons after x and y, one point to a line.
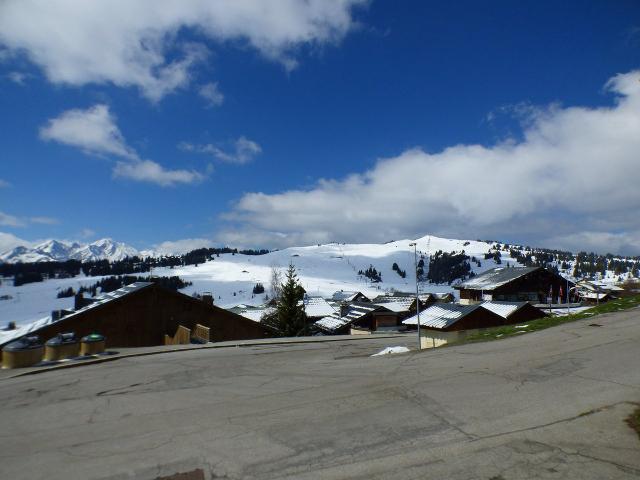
x: 39, y: 271
x: 109, y: 284
x: 372, y: 274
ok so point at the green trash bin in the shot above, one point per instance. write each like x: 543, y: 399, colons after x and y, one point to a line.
x: 92, y: 344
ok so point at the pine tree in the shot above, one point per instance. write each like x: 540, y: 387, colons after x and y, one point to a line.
x: 289, y: 318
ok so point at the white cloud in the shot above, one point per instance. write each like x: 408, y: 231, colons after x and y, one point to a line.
x: 243, y: 151
x: 4, y: 184
x: 19, y: 78
x: 7, y: 220
x: 87, y: 233
x: 9, y: 241
x: 149, y: 171
x: 184, y: 245
x: 574, y: 171
x: 212, y: 94
x: 138, y: 43
x: 94, y: 130
x: 44, y: 220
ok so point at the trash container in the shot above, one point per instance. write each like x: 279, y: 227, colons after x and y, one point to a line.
x: 63, y: 345
x: 24, y: 352
x: 92, y: 344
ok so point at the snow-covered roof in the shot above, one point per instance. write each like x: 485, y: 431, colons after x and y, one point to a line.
x: 317, y: 307
x: 331, y: 323
x: 496, y: 277
x: 441, y: 315
x: 401, y: 305
x: 354, y: 312
x: 504, y: 309
x: 7, y: 336
x: 254, y: 314
x: 345, y: 295
x: 108, y: 297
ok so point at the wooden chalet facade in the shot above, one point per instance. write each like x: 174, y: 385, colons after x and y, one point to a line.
x: 514, y: 284
x: 141, y: 314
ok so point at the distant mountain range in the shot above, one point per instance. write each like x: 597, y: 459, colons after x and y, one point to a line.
x: 59, y: 251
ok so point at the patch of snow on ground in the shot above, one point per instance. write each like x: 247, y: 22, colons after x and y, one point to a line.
x: 390, y: 351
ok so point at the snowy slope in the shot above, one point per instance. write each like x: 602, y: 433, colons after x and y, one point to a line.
x: 322, y: 270
x: 56, y: 250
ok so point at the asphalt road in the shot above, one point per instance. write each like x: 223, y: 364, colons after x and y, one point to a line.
x: 545, y: 405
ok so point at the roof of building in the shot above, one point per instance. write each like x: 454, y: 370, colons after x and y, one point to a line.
x: 354, y: 312
x: 441, y: 315
x: 424, y: 297
x: 254, y: 314
x: 317, y: 307
x: 398, y: 305
x: 346, y: 295
x: 332, y: 323
x: 504, y: 309
x: 496, y: 277
x: 7, y: 336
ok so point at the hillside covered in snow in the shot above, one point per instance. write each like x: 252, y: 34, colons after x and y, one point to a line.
x: 322, y: 270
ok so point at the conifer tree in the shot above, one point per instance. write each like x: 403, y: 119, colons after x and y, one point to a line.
x: 289, y: 318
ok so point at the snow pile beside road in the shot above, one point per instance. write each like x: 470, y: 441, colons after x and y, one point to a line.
x: 390, y: 351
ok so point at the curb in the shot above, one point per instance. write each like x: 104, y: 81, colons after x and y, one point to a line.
x: 249, y: 343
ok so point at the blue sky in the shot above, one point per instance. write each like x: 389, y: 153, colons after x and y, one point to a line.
x: 306, y: 122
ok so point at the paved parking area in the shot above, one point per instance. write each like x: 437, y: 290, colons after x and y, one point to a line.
x: 549, y: 404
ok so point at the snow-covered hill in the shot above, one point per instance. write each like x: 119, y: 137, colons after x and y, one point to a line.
x: 56, y: 250
x: 322, y: 270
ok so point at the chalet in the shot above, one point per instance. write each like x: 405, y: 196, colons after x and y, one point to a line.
x: 514, y: 284
x: 141, y: 314
x: 445, y: 323
x: 404, y: 305
x: 365, y: 317
x: 595, y: 292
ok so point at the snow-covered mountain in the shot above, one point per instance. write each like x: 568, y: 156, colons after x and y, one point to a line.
x: 56, y: 250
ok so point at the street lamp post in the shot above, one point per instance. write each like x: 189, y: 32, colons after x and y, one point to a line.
x: 415, y: 263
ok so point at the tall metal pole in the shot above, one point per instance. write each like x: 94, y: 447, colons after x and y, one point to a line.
x: 415, y: 263
x: 568, y: 308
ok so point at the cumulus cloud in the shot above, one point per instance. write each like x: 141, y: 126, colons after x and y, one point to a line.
x: 243, y: 150
x: 138, y: 43
x: 95, y: 131
x: 8, y: 220
x: 573, y: 171
x: 149, y: 171
x: 212, y: 94
x: 184, y: 245
x: 9, y: 241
